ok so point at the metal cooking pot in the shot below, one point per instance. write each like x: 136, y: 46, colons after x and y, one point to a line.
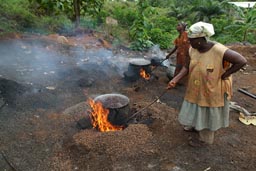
x: 134, y: 68
x: 136, y: 64
x: 140, y: 62
x: 118, y: 106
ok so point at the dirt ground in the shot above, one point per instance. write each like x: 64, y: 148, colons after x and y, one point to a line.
x: 45, y: 83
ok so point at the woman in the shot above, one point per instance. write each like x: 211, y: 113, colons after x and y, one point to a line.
x: 209, y: 67
x: 181, y: 46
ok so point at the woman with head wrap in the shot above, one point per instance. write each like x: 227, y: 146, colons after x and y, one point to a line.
x: 181, y: 46
x: 209, y: 66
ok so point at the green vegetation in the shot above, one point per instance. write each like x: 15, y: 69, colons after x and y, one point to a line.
x: 18, y: 16
x: 141, y: 23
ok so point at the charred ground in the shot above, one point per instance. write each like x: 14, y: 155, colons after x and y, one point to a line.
x: 45, y: 85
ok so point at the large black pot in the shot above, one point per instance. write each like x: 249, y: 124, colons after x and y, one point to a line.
x: 135, y: 65
x: 118, y: 106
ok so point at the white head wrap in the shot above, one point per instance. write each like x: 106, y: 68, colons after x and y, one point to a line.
x: 200, y: 29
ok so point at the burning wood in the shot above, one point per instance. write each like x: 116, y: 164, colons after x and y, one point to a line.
x: 99, y: 118
x: 144, y: 75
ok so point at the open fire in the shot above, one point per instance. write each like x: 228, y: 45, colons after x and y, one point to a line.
x: 144, y: 75
x: 99, y: 118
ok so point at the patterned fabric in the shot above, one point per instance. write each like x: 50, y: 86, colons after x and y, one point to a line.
x: 205, y: 86
x: 182, y: 45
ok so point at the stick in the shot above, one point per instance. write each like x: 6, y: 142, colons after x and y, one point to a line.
x: 136, y: 113
x: 159, y: 64
x: 247, y: 93
x: 8, y: 162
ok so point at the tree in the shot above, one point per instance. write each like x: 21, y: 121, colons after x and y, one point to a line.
x: 77, y: 11
x: 160, y: 3
x: 141, y: 26
x: 180, y: 12
x: 204, y: 10
x: 73, y: 8
x: 245, y: 24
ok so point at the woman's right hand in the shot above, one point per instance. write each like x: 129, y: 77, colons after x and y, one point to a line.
x: 171, y: 84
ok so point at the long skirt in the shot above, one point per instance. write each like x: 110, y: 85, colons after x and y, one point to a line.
x: 211, y: 118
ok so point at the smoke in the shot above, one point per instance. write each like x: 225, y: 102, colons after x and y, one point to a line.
x: 156, y: 52
x: 26, y: 60
x: 43, y: 62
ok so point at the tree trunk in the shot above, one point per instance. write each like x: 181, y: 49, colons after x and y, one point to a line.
x: 76, y: 4
x: 245, y: 33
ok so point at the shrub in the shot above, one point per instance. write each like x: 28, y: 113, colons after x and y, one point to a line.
x: 141, y: 44
x: 162, y: 38
x: 122, y: 11
x: 88, y: 22
x: 17, y: 15
x: 55, y: 24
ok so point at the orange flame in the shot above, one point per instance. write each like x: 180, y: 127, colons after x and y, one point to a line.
x: 144, y: 75
x: 99, y: 118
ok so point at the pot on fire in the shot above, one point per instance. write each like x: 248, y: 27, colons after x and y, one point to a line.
x: 118, y: 106
x: 134, y: 69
